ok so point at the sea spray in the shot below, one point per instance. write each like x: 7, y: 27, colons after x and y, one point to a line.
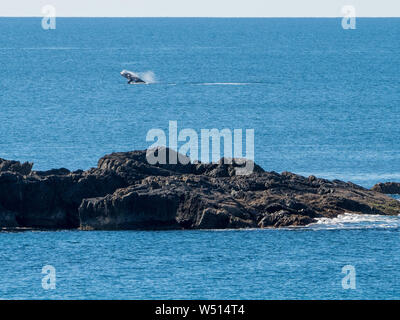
x: 356, y: 221
x: 147, y: 76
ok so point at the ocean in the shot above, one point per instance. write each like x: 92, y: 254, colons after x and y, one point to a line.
x: 321, y: 100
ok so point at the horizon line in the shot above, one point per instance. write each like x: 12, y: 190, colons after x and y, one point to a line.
x: 207, y: 17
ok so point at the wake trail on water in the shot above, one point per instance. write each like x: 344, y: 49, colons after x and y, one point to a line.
x: 223, y: 84
x: 216, y: 83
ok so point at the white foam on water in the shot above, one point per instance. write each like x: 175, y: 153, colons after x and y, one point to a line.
x: 356, y: 221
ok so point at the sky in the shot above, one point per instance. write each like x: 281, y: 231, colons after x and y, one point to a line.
x: 200, y: 8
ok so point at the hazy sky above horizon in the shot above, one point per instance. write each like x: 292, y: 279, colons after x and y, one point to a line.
x: 200, y: 8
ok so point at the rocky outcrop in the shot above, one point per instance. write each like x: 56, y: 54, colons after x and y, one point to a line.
x: 15, y: 166
x: 52, y: 201
x: 387, y: 188
x: 126, y: 192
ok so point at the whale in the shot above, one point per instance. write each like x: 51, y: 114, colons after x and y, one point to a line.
x: 132, y: 77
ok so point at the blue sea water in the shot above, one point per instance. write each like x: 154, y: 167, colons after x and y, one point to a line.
x: 322, y: 101
x: 245, y: 264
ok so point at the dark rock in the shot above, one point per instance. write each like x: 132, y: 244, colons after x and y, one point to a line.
x: 15, y: 166
x: 7, y: 219
x: 387, y: 188
x: 284, y: 219
x: 164, y: 203
x: 55, y: 172
x: 125, y: 191
x: 130, y: 209
x: 52, y: 201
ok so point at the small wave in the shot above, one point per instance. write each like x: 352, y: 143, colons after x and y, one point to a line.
x: 356, y: 221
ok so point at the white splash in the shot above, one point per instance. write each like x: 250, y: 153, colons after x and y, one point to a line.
x: 147, y: 76
x: 356, y: 221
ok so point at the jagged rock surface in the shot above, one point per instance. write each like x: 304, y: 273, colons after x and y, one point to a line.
x: 387, y: 188
x: 15, y: 166
x: 126, y: 192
